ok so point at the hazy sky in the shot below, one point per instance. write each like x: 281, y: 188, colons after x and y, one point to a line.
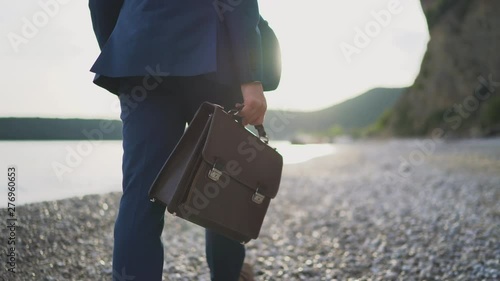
x: 48, y: 75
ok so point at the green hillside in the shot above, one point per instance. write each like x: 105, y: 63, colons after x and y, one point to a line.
x: 351, y: 115
x: 59, y: 129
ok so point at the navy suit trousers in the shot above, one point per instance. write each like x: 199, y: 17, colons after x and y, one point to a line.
x: 154, y: 111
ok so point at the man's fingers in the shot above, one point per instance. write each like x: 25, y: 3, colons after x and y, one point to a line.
x: 247, y: 112
x: 254, y: 120
x: 251, y: 117
x: 255, y: 103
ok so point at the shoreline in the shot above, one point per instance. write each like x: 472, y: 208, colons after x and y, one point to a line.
x: 335, y: 217
x: 475, y: 160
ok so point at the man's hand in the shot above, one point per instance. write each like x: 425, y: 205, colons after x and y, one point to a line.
x: 255, y: 104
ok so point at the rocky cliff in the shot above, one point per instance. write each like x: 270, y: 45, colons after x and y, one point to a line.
x: 458, y: 88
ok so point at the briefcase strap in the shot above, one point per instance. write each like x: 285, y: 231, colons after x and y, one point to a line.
x: 260, y: 128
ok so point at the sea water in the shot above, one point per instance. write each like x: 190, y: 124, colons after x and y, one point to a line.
x: 49, y: 170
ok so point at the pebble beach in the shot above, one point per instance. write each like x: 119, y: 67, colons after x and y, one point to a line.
x: 392, y: 210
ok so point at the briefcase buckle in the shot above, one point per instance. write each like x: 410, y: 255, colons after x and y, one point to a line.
x: 257, y: 197
x: 214, y: 174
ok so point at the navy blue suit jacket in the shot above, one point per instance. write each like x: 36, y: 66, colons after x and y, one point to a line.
x: 219, y: 38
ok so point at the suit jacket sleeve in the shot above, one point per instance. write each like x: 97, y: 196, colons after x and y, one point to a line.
x: 104, y: 14
x: 242, y: 25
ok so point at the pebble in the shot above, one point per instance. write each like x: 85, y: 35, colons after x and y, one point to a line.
x: 338, y: 217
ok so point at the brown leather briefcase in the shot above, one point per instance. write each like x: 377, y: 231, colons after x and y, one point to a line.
x: 220, y: 175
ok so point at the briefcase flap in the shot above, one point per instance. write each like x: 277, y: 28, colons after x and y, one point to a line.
x: 239, y: 154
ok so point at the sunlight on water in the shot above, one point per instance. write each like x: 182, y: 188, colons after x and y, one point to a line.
x: 297, y: 153
x: 49, y: 170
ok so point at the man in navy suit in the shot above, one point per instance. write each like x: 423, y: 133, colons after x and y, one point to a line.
x: 163, y: 58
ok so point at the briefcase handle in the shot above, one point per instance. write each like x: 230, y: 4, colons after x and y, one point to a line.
x: 260, y: 128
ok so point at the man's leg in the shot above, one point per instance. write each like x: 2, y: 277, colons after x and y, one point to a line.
x: 224, y: 256
x: 152, y: 125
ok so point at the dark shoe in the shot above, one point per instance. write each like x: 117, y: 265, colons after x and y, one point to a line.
x: 246, y: 273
